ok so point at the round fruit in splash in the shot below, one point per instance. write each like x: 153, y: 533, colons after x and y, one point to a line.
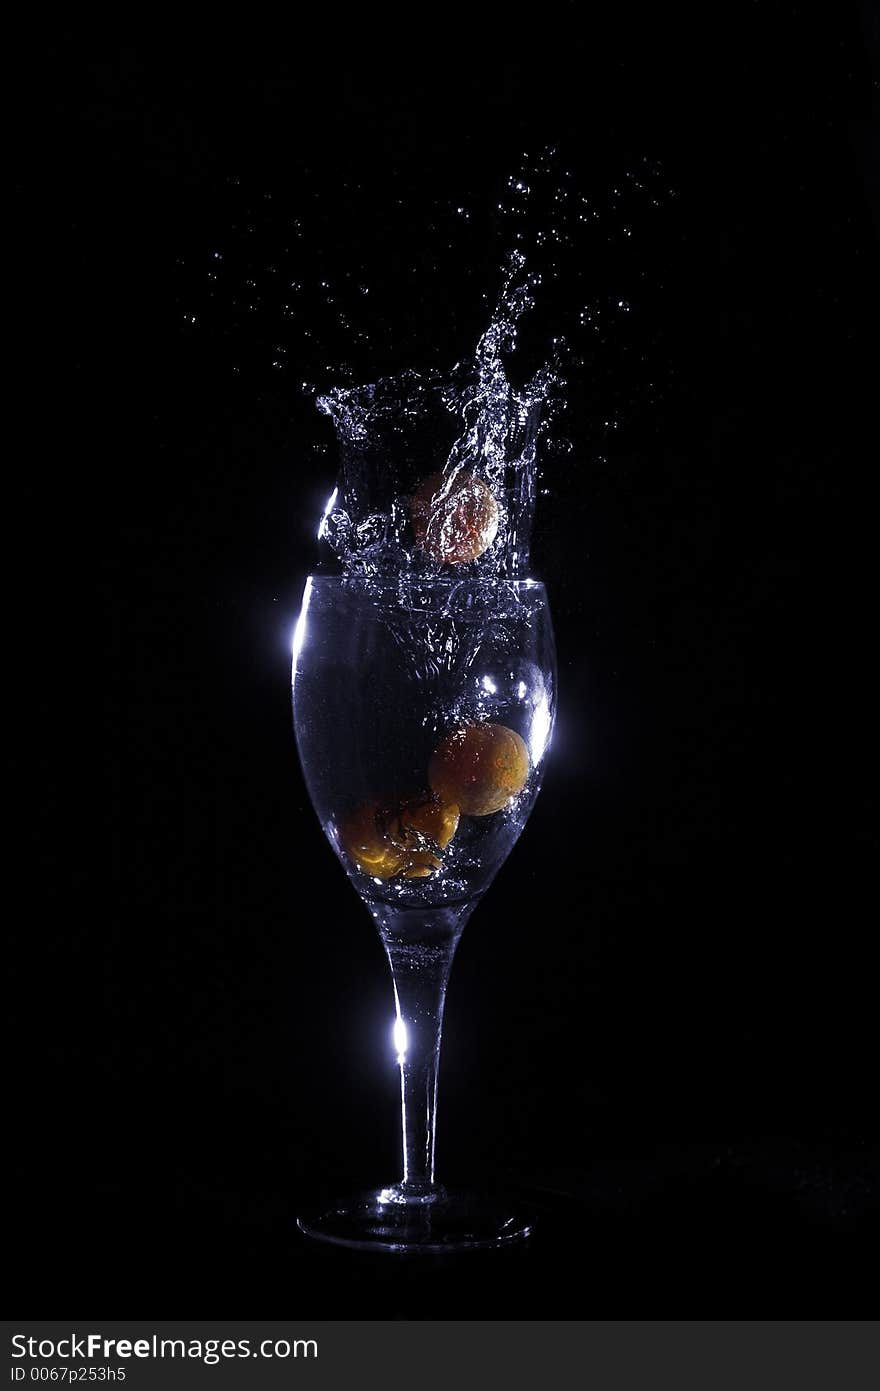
x: 455, y: 519
x: 480, y: 767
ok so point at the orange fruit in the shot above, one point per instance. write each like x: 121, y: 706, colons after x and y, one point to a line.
x: 430, y: 817
x: 480, y: 767
x: 454, y: 519
x: 364, y: 842
x: 386, y: 844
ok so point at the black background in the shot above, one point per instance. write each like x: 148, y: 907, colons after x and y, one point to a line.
x: 662, y: 1016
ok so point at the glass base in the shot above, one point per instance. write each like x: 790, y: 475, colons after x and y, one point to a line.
x: 437, y: 1223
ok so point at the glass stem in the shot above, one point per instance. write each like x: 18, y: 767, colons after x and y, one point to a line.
x: 420, y: 946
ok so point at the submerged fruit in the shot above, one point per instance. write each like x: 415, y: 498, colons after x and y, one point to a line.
x: 386, y: 843
x: 454, y: 519
x: 480, y: 767
x: 365, y: 842
x: 430, y: 817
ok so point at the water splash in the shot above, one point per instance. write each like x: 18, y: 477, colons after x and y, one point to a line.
x: 280, y: 294
x: 438, y: 471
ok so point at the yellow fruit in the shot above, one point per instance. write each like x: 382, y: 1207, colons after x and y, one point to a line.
x: 364, y: 841
x: 480, y: 767
x: 454, y: 519
x: 430, y: 817
x: 385, y: 844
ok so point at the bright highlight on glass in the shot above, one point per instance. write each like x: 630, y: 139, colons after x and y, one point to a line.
x: 328, y: 509
x: 299, y: 632
x: 399, y: 1034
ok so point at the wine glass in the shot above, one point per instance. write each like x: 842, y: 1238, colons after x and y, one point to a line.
x: 423, y: 710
